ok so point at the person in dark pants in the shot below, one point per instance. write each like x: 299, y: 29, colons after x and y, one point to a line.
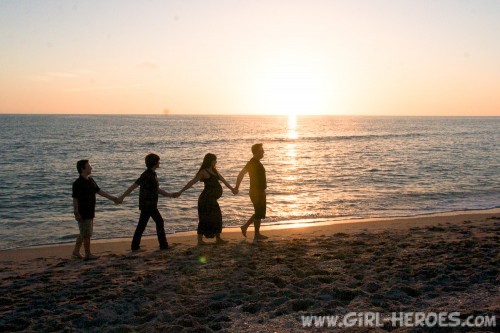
x: 148, y: 202
x: 258, y: 185
x: 84, y: 191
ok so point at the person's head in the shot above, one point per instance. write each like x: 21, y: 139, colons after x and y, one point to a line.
x: 209, y: 161
x: 258, y: 150
x: 152, y: 160
x: 83, y: 167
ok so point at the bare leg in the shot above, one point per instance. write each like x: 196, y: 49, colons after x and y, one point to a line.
x: 200, y: 240
x: 78, y: 245
x: 258, y: 235
x: 86, y: 246
x: 219, y: 240
x: 246, y: 225
x: 257, y: 226
x: 88, y: 254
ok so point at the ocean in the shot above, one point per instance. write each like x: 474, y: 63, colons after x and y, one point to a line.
x: 318, y: 167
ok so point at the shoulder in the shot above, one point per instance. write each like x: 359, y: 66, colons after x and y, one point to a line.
x: 204, y: 174
x: 79, y: 181
x: 77, y: 185
x: 146, y: 174
x: 257, y: 162
x: 253, y: 163
x: 94, y: 185
x: 142, y: 178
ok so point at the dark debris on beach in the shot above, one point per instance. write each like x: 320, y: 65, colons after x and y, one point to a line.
x: 263, y: 287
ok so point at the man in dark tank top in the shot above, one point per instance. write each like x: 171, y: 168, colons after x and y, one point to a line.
x: 258, y: 185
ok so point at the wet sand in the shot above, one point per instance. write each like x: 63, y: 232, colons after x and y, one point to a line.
x: 430, y: 264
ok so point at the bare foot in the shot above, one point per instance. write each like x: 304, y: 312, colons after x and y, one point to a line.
x: 90, y: 257
x: 201, y: 243
x: 138, y: 250
x: 244, y: 231
x: 221, y: 241
x: 76, y: 255
x: 260, y: 237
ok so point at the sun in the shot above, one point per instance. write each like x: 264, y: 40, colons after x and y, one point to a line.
x: 292, y: 86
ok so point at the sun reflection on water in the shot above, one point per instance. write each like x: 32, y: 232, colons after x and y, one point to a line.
x: 290, y: 195
x: 292, y: 127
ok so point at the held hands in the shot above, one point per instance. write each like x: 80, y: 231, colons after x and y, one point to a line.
x: 171, y: 194
x: 118, y: 200
x: 235, y: 191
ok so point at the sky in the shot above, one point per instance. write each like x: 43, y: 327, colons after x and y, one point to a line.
x: 352, y: 57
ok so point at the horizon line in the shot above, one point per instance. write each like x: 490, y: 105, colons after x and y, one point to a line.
x: 248, y: 114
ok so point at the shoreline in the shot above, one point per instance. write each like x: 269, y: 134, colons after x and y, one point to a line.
x: 121, y: 244
x: 279, y: 224
x: 428, y: 264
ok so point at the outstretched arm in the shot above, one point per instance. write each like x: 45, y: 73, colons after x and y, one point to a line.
x: 227, y: 184
x: 166, y: 194
x: 127, y: 192
x: 242, y: 174
x: 193, y: 181
x: 108, y: 196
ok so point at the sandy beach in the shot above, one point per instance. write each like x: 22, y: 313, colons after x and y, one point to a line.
x: 446, y: 262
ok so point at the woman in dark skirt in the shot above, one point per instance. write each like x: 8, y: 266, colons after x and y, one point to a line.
x: 209, y: 213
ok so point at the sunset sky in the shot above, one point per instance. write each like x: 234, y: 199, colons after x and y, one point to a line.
x: 350, y: 57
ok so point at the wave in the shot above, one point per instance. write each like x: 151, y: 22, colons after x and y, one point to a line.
x: 285, y: 221
x: 329, y: 138
x: 379, y: 167
x: 285, y: 139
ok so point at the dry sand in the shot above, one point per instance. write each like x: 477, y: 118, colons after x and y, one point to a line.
x: 430, y: 264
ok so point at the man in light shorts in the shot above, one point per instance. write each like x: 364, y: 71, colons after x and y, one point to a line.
x: 84, y: 199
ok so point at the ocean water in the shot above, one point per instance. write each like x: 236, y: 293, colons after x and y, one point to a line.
x: 331, y: 167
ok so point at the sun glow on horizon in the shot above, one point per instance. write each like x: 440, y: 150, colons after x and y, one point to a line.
x: 358, y: 57
x: 294, y: 85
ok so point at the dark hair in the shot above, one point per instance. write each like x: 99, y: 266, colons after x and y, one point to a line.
x: 80, y: 165
x: 151, y: 160
x: 256, y: 147
x: 207, y: 161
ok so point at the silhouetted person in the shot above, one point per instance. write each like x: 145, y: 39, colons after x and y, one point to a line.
x: 84, y: 199
x: 257, y: 192
x: 209, y: 213
x: 148, y: 202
